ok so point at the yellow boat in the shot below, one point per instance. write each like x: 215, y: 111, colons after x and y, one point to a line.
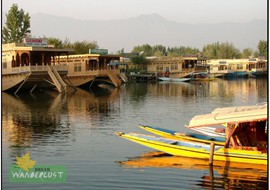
x: 246, y: 137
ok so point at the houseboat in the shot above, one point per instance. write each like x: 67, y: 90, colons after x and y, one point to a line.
x: 84, y: 70
x: 32, y: 65
x: 228, y: 68
x: 175, y: 67
x: 257, y: 67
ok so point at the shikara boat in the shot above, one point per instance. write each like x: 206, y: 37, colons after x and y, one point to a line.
x: 172, y: 134
x: 246, y: 137
x: 174, y: 79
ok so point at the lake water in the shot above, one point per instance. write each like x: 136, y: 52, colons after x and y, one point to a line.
x: 76, y: 130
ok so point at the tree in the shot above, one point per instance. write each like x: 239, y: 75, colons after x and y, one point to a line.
x: 211, y: 50
x: 56, y: 42
x: 120, y: 52
x: 228, y: 51
x: 262, y: 47
x: 247, y: 52
x: 146, y: 49
x: 221, y: 51
x: 140, y: 60
x: 84, y: 46
x: 17, y: 25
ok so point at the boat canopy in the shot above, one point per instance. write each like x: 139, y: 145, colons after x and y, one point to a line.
x: 221, y: 116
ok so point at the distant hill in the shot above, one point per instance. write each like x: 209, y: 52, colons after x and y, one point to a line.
x: 152, y: 29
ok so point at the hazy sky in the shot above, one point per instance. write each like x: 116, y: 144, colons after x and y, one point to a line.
x: 186, y: 11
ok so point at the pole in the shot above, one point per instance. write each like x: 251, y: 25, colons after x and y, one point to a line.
x: 212, y: 148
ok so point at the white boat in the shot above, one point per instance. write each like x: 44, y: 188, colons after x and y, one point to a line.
x: 211, y: 131
x: 174, y: 79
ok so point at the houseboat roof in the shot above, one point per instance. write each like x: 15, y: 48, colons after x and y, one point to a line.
x: 238, y: 114
x: 23, y: 47
x: 227, y: 61
x: 91, y: 55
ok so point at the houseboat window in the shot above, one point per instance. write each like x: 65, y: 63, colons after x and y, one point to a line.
x: 239, y: 66
x: 4, y: 65
x: 77, y: 67
x: 173, y: 67
x: 159, y: 68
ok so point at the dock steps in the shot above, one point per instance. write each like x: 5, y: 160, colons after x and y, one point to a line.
x: 116, y: 81
x: 56, y: 78
x: 124, y: 77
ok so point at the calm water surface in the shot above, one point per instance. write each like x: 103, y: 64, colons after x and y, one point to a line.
x: 77, y: 130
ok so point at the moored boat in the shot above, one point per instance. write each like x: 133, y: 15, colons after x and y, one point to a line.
x: 194, y: 137
x: 174, y: 79
x: 246, y: 137
x: 195, y: 149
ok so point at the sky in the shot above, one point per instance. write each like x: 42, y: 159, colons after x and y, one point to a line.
x: 184, y: 11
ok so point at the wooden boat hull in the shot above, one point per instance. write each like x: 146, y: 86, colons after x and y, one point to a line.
x: 11, y: 80
x: 196, y: 150
x: 183, y: 136
x: 80, y: 80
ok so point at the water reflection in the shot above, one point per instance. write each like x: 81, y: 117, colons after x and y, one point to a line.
x: 220, y: 175
x: 91, y: 107
x: 218, y: 87
x: 34, y: 121
x: 76, y: 129
x: 48, y: 118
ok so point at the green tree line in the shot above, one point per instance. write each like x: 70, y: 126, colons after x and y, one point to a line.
x: 17, y: 27
x: 80, y: 47
x: 217, y: 50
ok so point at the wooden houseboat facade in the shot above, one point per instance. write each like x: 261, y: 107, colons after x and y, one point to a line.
x: 257, y: 67
x: 228, y: 68
x: 86, y: 69
x: 38, y: 65
x: 33, y: 66
x: 176, y: 67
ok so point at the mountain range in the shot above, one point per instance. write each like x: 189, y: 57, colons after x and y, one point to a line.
x: 150, y: 29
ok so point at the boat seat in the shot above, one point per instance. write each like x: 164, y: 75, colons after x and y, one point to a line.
x: 245, y: 148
